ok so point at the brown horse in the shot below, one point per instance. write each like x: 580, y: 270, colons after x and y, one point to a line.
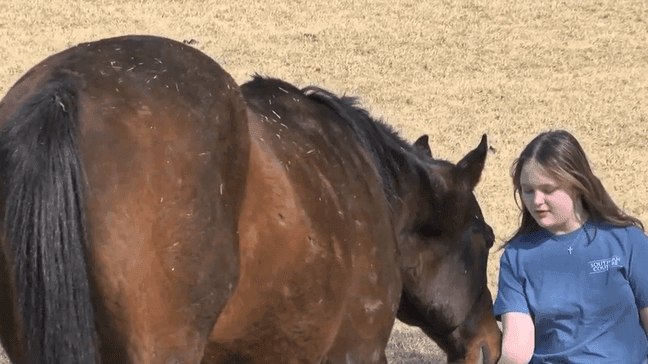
x: 333, y: 153
x: 151, y: 216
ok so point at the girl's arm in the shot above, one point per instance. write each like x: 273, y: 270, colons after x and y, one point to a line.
x: 519, y: 338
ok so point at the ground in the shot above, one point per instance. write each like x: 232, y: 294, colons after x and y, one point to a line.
x: 453, y: 69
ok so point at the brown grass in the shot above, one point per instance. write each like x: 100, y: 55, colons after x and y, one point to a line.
x: 452, y: 68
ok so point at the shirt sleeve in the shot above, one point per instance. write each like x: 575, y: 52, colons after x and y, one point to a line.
x: 638, y: 265
x: 510, y: 293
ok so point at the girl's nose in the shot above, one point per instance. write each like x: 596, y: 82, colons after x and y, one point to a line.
x: 538, y: 198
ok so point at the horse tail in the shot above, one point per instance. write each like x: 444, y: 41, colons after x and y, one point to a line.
x: 42, y: 183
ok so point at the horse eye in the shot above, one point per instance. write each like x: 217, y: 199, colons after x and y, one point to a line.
x: 487, y: 231
x: 490, y: 237
x: 428, y: 231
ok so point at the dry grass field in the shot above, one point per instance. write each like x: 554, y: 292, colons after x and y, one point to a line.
x: 451, y: 68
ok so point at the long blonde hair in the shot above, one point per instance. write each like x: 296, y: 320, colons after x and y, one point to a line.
x: 561, y: 155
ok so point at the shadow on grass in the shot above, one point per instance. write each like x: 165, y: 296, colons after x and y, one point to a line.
x: 409, y: 345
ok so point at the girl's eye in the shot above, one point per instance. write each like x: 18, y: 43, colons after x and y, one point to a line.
x: 527, y: 192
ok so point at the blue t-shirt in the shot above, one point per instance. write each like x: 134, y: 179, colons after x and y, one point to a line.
x: 583, y: 291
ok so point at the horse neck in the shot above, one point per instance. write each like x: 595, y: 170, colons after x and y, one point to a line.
x: 405, y: 182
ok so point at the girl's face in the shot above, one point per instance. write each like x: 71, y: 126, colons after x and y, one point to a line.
x: 553, y: 206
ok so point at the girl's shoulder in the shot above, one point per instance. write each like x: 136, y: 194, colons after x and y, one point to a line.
x: 528, y: 239
x: 623, y: 233
x: 606, y: 226
x: 526, y: 242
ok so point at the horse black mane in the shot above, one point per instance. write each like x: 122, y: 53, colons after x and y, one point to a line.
x: 390, y: 153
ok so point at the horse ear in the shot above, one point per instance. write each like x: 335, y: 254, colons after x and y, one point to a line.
x: 472, y: 164
x: 423, y: 145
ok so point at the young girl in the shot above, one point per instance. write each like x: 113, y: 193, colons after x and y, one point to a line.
x: 573, y: 283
